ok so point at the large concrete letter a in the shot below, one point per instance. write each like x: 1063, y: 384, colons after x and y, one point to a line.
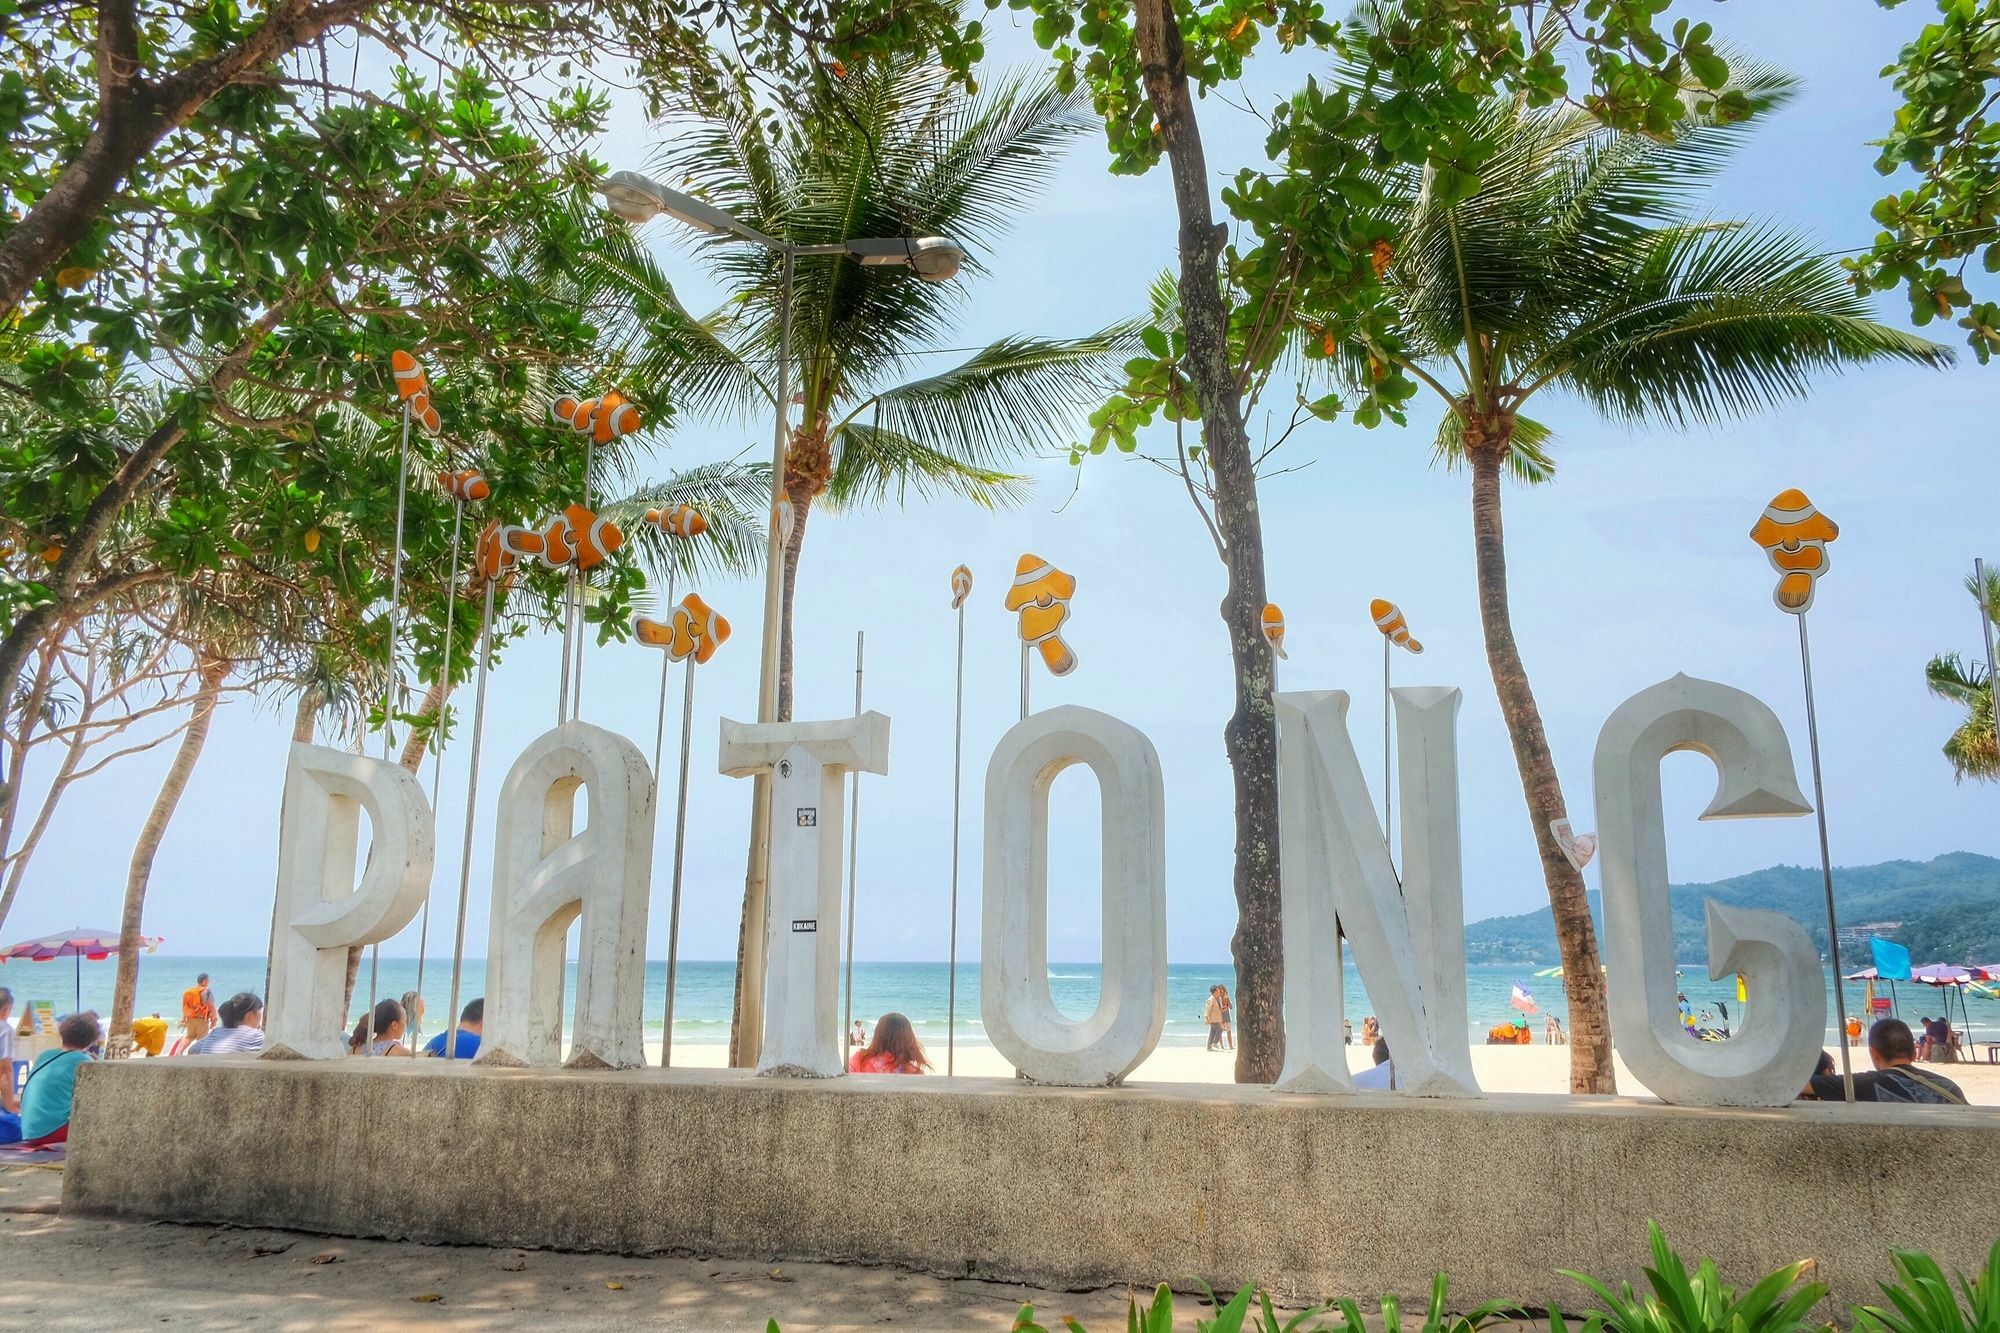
x: 321, y: 912
x: 544, y: 875
x: 1409, y: 936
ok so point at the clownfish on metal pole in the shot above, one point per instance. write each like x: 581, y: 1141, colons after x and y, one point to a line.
x: 1395, y: 633
x: 961, y: 588
x: 463, y: 486
x: 499, y: 547
x: 678, y: 523
x: 1794, y: 535
x: 599, y: 421
x: 1041, y: 593
x: 691, y: 635
x: 413, y: 391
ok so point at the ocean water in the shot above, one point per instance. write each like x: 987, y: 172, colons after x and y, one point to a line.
x: 919, y: 990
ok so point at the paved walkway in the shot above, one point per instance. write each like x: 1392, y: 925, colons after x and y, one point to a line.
x: 67, y: 1273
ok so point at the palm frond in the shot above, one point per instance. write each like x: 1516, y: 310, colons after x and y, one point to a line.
x: 1711, y: 323
x: 875, y: 464
x: 735, y: 498
x: 1950, y: 678
x: 1017, y: 394
x: 1988, y: 597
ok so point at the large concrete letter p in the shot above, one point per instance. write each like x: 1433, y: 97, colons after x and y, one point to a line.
x: 321, y: 911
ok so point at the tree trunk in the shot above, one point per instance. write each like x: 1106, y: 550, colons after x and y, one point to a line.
x: 1251, y: 736
x: 1590, y: 1068
x: 65, y: 582
x: 30, y: 711
x: 134, y: 114
x: 802, y: 490
x: 214, y: 670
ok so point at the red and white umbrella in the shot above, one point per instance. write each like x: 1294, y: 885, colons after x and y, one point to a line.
x: 77, y: 943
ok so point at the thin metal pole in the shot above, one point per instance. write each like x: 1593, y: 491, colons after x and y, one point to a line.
x: 853, y: 843
x: 680, y: 845
x: 1387, y: 808
x: 437, y: 765
x: 582, y: 584
x: 1024, y: 682
x: 471, y: 797
x: 1825, y: 863
x: 750, y: 1015
x: 396, y: 591
x: 1986, y: 627
x: 957, y: 783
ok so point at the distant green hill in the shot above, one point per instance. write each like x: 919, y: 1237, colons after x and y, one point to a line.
x: 1945, y: 909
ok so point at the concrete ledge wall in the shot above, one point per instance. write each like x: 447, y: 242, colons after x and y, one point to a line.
x: 1313, y: 1196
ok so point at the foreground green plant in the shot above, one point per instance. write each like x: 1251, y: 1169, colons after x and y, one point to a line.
x: 1925, y: 1302
x: 1251, y: 1309
x: 1699, y: 1302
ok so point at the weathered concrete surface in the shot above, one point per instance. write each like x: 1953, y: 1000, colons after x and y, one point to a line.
x: 1061, y: 1186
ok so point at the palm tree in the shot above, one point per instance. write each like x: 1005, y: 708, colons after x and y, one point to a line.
x: 904, y: 152
x: 1974, y: 747
x: 1576, y: 266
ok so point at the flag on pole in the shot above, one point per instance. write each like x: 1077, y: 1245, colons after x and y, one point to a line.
x: 1892, y: 960
x: 1523, y: 999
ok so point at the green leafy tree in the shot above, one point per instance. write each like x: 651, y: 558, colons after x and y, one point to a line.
x: 1577, y: 267
x: 1934, y: 230
x: 905, y: 151
x: 1307, y: 239
x: 1973, y: 749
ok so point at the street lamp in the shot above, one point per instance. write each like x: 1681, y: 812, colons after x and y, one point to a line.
x: 636, y: 199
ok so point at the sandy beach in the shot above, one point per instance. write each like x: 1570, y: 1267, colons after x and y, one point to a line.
x: 1500, y: 1069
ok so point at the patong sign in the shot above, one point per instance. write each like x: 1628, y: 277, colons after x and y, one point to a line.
x: 1407, y: 932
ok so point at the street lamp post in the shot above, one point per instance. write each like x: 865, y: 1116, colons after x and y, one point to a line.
x: 636, y: 199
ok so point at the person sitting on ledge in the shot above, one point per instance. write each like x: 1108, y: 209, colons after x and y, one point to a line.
x: 388, y: 1032
x: 242, y: 1030
x: 894, y: 1050
x: 471, y: 1022
x: 1893, y: 1051
x: 50, y: 1091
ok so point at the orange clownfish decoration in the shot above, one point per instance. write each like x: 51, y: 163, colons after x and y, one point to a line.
x: 1274, y: 628
x: 1794, y: 535
x: 678, y: 521
x: 1041, y: 593
x: 603, y: 419
x: 961, y: 586
x: 465, y: 484
x: 413, y: 387
x: 578, y: 537
x: 500, y: 546
x: 1390, y: 621
x: 693, y: 630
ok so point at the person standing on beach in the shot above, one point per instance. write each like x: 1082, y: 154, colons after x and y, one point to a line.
x: 1212, y: 1014
x: 198, y: 1009
x: 1228, y: 1010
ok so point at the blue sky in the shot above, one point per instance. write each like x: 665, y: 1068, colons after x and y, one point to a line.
x: 1635, y: 564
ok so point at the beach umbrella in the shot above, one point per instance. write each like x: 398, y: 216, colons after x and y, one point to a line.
x: 1947, y: 974
x: 77, y: 943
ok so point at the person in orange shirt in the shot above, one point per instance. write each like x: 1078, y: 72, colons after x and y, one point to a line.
x: 1854, y: 1029
x: 198, y: 1009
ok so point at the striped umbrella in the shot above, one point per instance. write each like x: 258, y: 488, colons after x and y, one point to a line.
x: 77, y: 943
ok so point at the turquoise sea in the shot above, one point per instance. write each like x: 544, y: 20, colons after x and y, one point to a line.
x: 701, y: 1010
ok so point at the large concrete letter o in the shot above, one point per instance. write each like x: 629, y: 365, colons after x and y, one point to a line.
x: 1021, y: 1015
